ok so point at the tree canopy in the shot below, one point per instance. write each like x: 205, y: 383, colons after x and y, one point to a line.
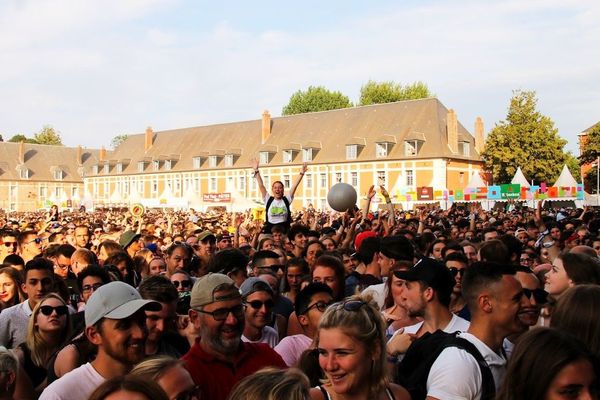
x: 591, y: 148
x: 117, y: 140
x: 315, y: 98
x: 47, y: 135
x: 526, y: 139
x: 389, y: 91
x: 21, y: 138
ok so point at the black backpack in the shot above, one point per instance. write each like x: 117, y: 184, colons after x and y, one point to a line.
x: 412, y: 372
x: 268, y: 225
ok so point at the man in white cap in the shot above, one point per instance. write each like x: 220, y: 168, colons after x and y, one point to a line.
x: 116, y: 323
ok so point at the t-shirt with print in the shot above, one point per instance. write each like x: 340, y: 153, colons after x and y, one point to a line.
x: 277, y: 212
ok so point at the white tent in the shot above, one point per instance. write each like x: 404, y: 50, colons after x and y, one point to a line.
x: 520, y: 179
x: 565, y: 178
x: 116, y: 197
x: 476, y: 181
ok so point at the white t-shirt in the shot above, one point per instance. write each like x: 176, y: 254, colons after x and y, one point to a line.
x: 74, y: 385
x: 454, y: 363
x: 456, y: 324
x: 378, y: 292
x: 277, y: 212
x: 269, y: 336
x: 291, y: 348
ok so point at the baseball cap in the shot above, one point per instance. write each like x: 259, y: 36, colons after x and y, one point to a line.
x: 430, y: 271
x: 116, y: 300
x: 202, y: 236
x: 362, y: 236
x: 397, y: 247
x: 254, y: 284
x: 204, y: 289
x: 127, y: 238
x: 222, y: 236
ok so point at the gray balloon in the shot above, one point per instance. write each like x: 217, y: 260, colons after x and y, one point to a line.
x: 341, y: 197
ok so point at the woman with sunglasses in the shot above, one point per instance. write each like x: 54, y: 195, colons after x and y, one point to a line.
x: 351, y: 347
x: 182, y: 281
x: 47, y: 332
x: 457, y: 263
x: 10, y: 288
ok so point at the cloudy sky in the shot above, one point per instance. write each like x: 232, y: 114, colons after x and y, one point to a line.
x: 97, y: 69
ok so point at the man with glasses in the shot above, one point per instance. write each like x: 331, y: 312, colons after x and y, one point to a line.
x: 8, y: 244
x: 30, y: 245
x: 457, y: 264
x: 257, y: 297
x: 265, y: 261
x: 219, y: 359
x: 311, y: 303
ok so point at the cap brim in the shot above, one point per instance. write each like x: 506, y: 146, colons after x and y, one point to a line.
x: 406, y: 275
x: 133, y: 306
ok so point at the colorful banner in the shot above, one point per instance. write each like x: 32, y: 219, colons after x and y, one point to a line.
x: 510, y: 191
x: 425, y: 193
x: 216, y: 197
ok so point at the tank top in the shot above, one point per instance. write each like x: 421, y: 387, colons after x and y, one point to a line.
x: 389, y: 393
x: 36, y: 374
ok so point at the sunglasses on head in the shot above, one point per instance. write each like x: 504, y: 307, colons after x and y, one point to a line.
x: 352, y: 305
x: 457, y: 271
x: 60, y: 310
x: 184, y: 283
x: 540, y: 295
x: 257, y: 304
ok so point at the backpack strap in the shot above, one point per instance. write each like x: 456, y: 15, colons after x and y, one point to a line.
x: 289, y: 211
x: 488, y: 386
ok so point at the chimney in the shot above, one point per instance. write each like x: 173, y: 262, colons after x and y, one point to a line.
x: 102, y: 155
x: 452, y: 129
x: 79, y: 155
x: 266, y: 125
x: 21, y: 152
x: 148, y: 138
x: 479, y: 141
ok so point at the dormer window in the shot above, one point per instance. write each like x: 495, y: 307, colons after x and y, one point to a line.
x: 156, y: 165
x: 351, y: 151
x: 381, y: 150
x: 196, y: 162
x: 119, y: 168
x: 24, y: 173
x: 58, y: 175
x: 228, y: 160
x: 264, y: 157
x: 168, y: 165
x: 464, y: 148
x: 95, y: 169
x: 288, y: 156
x: 307, y: 155
x: 411, y: 147
x: 141, y: 166
x: 212, y: 161
x: 106, y: 168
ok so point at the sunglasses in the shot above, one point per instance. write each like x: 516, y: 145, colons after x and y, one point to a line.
x: 192, y: 394
x: 222, y: 313
x: 185, y: 283
x: 456, y: 271
x: 352, y: 305
x: 88, y: 288
x: 257, y: 304
x: 274, y: 267
x: 319, y: 305
x: 36, y: 241
x: 540, y: 295
x: 48, y: 310
x: 9, y: 244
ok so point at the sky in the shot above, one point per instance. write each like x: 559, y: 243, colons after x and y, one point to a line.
x: 97, y: 69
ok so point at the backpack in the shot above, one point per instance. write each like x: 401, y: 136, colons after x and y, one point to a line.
x: 268, y: 225
x: 412, y: 372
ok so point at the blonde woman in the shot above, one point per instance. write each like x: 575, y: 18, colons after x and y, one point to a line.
x: 47, y: 332
x: 272, y: 384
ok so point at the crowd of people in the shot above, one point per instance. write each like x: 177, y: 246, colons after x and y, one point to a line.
x: 389, y: 304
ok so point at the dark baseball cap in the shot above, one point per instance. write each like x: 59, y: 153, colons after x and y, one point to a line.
x: 430, y: 271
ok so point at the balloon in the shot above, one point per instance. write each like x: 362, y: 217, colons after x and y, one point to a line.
x: 341, y: 197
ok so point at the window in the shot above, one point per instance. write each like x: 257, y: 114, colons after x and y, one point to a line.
x: 95, y: 169
x: 106, y: 169
x: 140, y: 187
x: 381, y: 178
x: 381, y: 149
x: 196, y: 184
x: 264, y: 157
x: 119, y: 168
x: 242, y: 183
x: 230, y: 182
x: 177, y: 185
x: 155, y: 165
x: 141, y: 166
x: 24, y: 174
x: 58, y: 192
x: 168, y: 165
x: 410, y: 180
x: 43, y: 192
x: 286, y: 181
x: 212, y: 161
x: 309, y: 182
x: 461, y: 178
x: 307, y: 155
x: 229, y: 160
x: 411, y: 148
x: 106, y: 187
x: 354, y: 178
x: 338, y: 177
x: 154, y: 186
x: 213, y: 184
x: 288, y: 156
x: 351, y: 151
x: 58, y: 174
x: 323, y: 180
x: 196, y: 161
x: 73, y: 191
x: 126, y: 188
x: 464, y: 149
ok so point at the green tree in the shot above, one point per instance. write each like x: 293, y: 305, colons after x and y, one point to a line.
x: 117, y: 140
x: 526, y: 139
x: 591, y: 150
x: 21, y: 138
x: 48, y: 136
x: 387, y: 92
x: 315, y: 98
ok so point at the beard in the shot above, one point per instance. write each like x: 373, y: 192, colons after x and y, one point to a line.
x: 217, y: 342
